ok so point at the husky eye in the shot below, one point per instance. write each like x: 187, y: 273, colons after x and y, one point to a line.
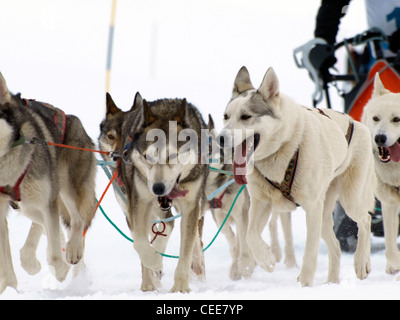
x: 376, y: 119
x: 110, y: 136
x: 226, y: 117
x: 396, y: 119
x: 245, y: 117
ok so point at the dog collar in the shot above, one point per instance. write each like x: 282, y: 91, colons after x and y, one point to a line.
x: 14, y: 191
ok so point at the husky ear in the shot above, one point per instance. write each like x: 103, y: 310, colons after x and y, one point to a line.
x: 379, y: 88
x: 242, y: 82
x: 111, y: 107
x: 210, y: 125
x: 269, y: 88
x: 147, y: 113
x: 181, y: 113
x: 137, y: 102
x: 4, y: 93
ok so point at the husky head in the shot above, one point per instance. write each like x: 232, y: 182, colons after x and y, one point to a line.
x: 382, y: 117
x: 161, y: 152
x: 9, y: 121
x: 110, y: 138
x: 251, y: 121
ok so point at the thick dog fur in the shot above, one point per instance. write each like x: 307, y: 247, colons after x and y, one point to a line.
x: 382, y: 116
x: 243, y: 262
x: 58, y: 183
x: 110, y: 138
x: 142, y: 182
x: 328, y: 168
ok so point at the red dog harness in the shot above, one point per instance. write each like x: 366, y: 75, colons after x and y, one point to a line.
x: 60, y: 122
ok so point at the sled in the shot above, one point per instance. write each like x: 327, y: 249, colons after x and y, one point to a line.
x: 390, y: 79
x: 363, y: 82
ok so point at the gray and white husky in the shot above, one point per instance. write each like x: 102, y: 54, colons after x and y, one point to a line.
x: 45, y: 182
x: 305, y: 157
x: 160, y: 170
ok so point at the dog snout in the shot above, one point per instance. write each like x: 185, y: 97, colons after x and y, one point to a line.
x: 380, y: 140
x: 159, y: 189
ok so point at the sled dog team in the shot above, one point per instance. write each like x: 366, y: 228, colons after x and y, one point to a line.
x: 286, y: 154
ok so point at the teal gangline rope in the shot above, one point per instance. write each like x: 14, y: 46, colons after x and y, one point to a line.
x: 172, y: 256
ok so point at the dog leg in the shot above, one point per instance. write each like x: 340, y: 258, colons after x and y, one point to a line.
x: 74, y: 248
x: 328, y: 235
x: 258, y: 218
x: 150, y: 280
x: 52, y: 228
x: 360, y: 215
x: 198, y: 265
x: 230, y: 236
x: 273, y: 230
x: 140, y: 234
x: 29, y: 261
x: 390, y: 212
x: 290, y: 257
x: 189, y: 224
x: 7, y: 274
x: 246, y: 262
x: 314, y: 222
x: 357, y: 198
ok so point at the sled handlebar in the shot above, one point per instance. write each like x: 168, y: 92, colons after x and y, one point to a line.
x: 321, y: 79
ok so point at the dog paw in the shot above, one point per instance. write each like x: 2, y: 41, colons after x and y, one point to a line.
x: 305, y: 281
x: 393, y: 265
x: 290, y: 262
x: 4, y: 283
x: 267, y: 261
x: 150, y: 285
x: 59, y: 268
x: 30, y: 264
x: 246, y: 267
x: 74, y: 251
x: 180, y: 287
x: 362, y: 266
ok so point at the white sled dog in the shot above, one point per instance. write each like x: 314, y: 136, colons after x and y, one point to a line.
x: 305, y: 157
x: 243, y: 262
x: 382, y: 117
x: 45, y: 182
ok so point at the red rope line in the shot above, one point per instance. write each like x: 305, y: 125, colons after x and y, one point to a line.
x: 76, y: 148
x: 101, y: 198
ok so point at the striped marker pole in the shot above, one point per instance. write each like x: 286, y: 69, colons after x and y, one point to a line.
x: 110, y: 44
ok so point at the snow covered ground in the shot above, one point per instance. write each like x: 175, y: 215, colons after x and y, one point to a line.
x: 55, y: 51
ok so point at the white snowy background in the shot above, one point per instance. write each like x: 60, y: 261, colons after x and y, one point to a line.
x: 55, y: 51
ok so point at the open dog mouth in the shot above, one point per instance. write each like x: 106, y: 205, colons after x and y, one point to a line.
x: 387, y: 154
x: 165, y: 202
x: 242, y: 155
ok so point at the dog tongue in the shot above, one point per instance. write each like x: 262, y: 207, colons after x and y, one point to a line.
x: 240, y: 164
x: 395, y: 152
x: 177, y: 192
